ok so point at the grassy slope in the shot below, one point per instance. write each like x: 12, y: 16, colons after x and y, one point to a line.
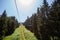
x: 21, y: 33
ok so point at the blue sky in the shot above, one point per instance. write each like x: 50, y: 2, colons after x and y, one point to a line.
x: 10, y: 8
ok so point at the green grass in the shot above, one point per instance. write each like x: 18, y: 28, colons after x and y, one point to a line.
x: 21, y: 33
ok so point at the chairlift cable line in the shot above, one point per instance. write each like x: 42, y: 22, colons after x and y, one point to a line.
x: 22, y: 31
x: 17, y: 9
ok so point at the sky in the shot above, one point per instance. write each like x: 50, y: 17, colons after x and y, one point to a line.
x: 25, y: 8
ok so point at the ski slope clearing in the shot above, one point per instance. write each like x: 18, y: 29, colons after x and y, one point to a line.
x: 21, y: 33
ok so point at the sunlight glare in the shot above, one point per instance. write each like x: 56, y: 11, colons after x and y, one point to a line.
x: 25, y: 4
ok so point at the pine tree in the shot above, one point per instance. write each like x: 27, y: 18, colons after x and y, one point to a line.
x: 44, y: 28
x: 4, y: 23
x: 54, y: 18
x: 39, y: 23
x: 7, y: 25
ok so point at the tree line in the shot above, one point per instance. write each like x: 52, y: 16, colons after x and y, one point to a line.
x: 45, y: 24
x: 7, y: 25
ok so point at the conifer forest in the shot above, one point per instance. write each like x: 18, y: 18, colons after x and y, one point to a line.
x: 42, y: 25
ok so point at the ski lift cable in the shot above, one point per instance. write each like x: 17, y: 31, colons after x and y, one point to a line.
x: 18, y: 17
x: 17, y: 9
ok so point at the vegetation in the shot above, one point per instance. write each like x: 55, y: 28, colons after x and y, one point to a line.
x: 21, y: 33
x: 45, y: 24
x: 7, y: 25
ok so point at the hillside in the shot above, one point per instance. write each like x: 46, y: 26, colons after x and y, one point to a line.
x: 21, y: 33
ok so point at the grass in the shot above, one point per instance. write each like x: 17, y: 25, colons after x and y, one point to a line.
x: 21, y: 33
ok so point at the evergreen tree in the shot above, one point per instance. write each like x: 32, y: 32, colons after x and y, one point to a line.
x: 44, y: 28
x: 7, y: 25
x: 54, y: 19
x: 4, y: 23
x: 46, y: 22
x: 39, y: 23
